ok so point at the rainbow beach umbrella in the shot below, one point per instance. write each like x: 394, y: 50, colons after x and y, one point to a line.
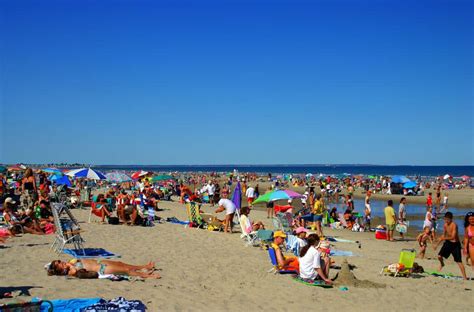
x: 277, y: 195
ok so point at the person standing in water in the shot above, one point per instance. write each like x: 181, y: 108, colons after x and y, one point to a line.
x: 367, y: 211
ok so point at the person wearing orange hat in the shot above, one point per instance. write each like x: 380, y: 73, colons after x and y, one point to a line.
x: 284, y: 262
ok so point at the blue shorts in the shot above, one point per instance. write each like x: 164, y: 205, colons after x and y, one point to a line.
x: 317, y: 218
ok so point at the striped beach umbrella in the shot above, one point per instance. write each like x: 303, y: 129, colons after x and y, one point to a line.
x: 86, y: 173
x: 117, y: 177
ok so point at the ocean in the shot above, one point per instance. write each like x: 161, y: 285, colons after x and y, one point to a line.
x: 455, y: 171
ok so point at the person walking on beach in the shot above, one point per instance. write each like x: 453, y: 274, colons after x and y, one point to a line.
x: 445, y: 203
x: 469, y: 238
x: 390, y: 220
x: 367, y: 211
x: 451, y: 244
x: 29, y: 192
x: 250, y: 193
x: 402, y: 214
x: 318, y: 211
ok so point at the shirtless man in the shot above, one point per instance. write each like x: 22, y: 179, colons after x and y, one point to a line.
x: 367, y: 211
x: 451, y: 245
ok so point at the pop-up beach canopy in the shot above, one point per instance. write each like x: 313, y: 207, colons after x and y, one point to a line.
x: 400, y: 179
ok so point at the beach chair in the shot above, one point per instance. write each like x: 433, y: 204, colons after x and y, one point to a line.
x: 194, y: 215
x: 276, y: 268
x: 249, y: 237
x: 67, y: 229
x: 404, y: 267
x: 283, y: 222
x: 27, y: 306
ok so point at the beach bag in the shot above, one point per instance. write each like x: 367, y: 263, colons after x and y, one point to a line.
x: 114, y: 220
x: 401, y: 228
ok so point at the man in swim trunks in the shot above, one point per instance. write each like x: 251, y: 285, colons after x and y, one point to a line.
x: 451, y: 245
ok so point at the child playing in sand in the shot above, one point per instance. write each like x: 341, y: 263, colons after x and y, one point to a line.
x: 423, y: 240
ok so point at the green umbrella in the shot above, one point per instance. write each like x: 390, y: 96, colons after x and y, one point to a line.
x: 3, y: 169
x: 162, y: 177
x: 277, y: 195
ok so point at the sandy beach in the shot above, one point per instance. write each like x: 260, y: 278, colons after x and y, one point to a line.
x: 213, y: 271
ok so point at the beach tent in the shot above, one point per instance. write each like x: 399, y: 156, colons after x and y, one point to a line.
x: 86, y: 173
x: 400, y: 179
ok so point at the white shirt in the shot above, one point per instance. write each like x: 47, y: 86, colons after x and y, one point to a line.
x: 228, y: 205
x: 310, y: 262
x: 301, y: 242
x: 250, y: 193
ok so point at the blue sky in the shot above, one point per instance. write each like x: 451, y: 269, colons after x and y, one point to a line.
x: 237, y: 82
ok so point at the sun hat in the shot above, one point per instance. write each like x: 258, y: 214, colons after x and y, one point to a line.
x: 279, y: 234
x: 324, y: 244
x: 9, y: 200
x: 301, y: 230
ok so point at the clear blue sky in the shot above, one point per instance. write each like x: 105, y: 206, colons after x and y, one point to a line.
x: 232, y: 82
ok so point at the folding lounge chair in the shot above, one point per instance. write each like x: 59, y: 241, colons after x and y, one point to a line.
x: 283, y: 222
x: 68, y: 230
x: 250, y: 237
x: 276, y: 268
x: 404, y: 267
x: 194, y: 215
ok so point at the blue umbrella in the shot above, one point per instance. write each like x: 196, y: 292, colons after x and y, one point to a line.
x: 53, y: 171
x: 60, y: 180
x: 410, y: 184
x: 400, y: 179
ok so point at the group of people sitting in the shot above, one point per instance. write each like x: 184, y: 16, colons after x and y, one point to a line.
x: 18, y: 220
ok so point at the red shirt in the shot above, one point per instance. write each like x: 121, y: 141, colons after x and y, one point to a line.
x: 429, y: 201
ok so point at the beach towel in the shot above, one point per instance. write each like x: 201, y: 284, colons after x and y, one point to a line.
x: 308, y: 282
x: 69, y: 305
x: 117, y: 304
x: 341, y: 253
x: 444, y: 275
x: 176, y: 221
x: 90, y: 253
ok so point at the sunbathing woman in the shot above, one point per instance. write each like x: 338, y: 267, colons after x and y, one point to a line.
x: 90, y: 268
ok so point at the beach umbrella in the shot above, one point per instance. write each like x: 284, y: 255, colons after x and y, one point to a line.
x: 15, y: 168
x: 400, y: 179
x: 53, y: 171
x: 237, y: 196
x: 3, y: 169
x: 162, y: 177
x: 86, y: 173
x: 139, y: 174
x: 60, y: 180
x: 447, y: 176
x: 410, y: 184
x: 117, y: 177
x: 277, y: 195
x: 465, y: 177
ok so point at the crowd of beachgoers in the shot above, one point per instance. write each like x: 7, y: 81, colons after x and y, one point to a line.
x: 298, y: 205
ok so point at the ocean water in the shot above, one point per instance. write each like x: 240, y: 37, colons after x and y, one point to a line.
x: 455, y: 171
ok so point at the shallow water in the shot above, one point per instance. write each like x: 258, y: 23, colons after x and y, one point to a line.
x: 415, y: 212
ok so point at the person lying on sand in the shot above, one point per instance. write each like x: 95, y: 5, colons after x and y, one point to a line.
x: 90, y: 268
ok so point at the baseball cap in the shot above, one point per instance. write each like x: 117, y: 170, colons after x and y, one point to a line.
x: 9, y: 200
x: 301, y: 230
x: 279, y: 234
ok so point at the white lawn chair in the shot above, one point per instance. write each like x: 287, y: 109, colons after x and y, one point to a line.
x: 68, y: 230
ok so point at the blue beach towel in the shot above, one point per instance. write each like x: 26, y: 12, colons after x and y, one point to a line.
x: 69, y: 305
x: 176, y: 221
x: 341, y: 253
x: 90, y: 253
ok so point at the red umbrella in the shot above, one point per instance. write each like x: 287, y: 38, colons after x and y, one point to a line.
x: 465, y: 177
x: 139, y: 174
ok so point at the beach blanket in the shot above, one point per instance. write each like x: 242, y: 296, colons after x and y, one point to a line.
x: 444, y: 275
x: 176, y: 221
x: 69, y: 305
x: 341, y: 253
x: 117, y: 304
x: 90, y: 253
x: 308, y: 282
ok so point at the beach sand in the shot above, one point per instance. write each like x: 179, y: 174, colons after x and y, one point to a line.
x: 212, y: 271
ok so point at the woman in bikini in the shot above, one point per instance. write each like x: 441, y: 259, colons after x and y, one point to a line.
x: 469, y: 237
x: 90, y: 268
